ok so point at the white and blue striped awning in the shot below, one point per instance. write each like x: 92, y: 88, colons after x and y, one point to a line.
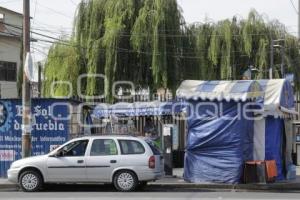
x: 278, y: 97
x: 240, y: 90
x: 124, y: 109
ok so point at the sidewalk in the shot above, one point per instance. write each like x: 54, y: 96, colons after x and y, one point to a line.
x: 176, y: 182
x: 170, y: 183
x: 5, y: 184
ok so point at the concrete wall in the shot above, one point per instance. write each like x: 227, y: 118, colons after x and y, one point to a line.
x: 12, y: 18
x: 10, y: 49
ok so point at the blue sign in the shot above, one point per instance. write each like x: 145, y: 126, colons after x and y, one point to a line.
x: 49, y: 128
x: 3, y: 114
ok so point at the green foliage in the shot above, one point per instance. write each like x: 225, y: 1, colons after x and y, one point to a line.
x: 61, y: 65
x: 148, y: 42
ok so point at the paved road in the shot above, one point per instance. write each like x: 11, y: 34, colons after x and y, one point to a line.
x: 144, y: 196
x: 108, y: 193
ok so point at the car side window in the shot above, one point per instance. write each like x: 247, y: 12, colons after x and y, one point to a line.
x: 103, y: 147
x: 131, y: 147
x: 76, y: 148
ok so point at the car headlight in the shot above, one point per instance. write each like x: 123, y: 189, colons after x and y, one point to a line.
x: 15, y: 165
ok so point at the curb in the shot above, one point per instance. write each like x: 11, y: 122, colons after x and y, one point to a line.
x: 195, y: 186
x: 174, y: 186
x: 251, y: 187
x: 8, y: 186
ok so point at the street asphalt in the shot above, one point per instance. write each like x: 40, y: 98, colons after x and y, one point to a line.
x: 148, y: 195
x: 167, y: 188
x: 107, y: 192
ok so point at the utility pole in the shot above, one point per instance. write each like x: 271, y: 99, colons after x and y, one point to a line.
x: 298, y: 19
x: 272, y: 59
x: 282, y: 48
x: 39, y: 79
x: 298, y: 96
x: 26, y: 100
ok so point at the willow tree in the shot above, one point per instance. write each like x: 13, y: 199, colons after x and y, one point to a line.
x: 256, y: 38
x: 230, y: 47
x: 61, y: 67
x: 155, y: 33
x: 89, y: 29
x: 147, y: 42
x: 117, y: 12
x: 203, y: 36
x: 114, y: 39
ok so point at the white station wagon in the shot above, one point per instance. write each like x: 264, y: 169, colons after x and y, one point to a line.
x: 127, y: 162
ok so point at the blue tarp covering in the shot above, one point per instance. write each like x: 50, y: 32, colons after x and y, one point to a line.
x: 217, y: 146
x: 274, y: 141
x: 287, y: 99
x: 279, y: 93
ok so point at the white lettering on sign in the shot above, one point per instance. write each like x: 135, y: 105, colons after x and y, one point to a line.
x: 39, y: 111
x: 19, y: 111
x: 7, y: 155
x: 47, y: 126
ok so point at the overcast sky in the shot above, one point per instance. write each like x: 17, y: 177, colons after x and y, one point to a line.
x: 56, y: 16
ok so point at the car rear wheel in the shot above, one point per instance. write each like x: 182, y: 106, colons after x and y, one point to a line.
x: 125, y: 181
x: 30, y: 181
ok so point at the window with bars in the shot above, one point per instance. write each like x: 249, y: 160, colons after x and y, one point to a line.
x: 8, y: 71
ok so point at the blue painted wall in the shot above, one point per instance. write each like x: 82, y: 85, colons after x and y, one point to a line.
x: 46, y: 134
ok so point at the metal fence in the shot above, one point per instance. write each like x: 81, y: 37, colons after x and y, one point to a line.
x: 140, y: 121
x: 297, y: 103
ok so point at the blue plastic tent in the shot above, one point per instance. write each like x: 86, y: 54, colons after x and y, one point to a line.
x: 269, y: 132
x: 220, y: 136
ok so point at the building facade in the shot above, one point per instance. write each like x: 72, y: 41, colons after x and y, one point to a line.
x: 10, y: 51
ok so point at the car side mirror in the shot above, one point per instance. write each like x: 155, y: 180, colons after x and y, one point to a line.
x: 60, y: 154
x: 57, y: 154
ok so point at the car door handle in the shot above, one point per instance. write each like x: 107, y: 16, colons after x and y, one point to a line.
x: 79, y: 161
x: 113, y: 161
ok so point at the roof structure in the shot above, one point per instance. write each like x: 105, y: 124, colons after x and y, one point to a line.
x: 240, y: 90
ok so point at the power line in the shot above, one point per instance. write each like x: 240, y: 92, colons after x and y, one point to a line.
x: 169, y: 54
x: 11, y: 1
x: 124, y: 50
x: 36, y: 33
x: 55, y: 11
x: 73, y: 3
x: 294, y: 6
x: 121, y: 50
x: 126, y: 34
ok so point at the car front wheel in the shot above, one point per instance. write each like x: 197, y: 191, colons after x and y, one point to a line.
x: 30, y: 181
x: 125, y: 181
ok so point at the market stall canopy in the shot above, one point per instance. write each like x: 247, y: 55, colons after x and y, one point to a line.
x: 153, y: 108
x: 278, y: 97
x: 240, y: 90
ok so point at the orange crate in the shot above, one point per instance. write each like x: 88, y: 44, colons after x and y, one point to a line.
x: 271, y: 169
